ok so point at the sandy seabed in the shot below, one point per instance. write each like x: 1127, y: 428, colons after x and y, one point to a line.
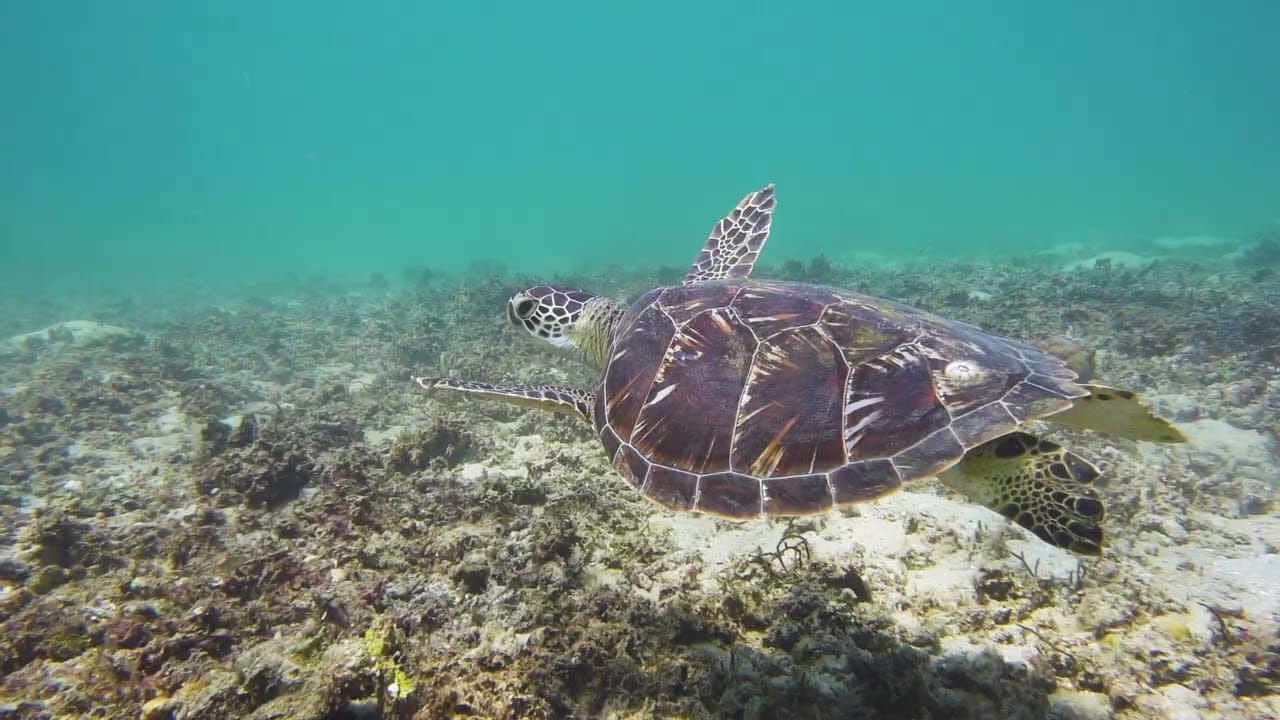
x: 245, y: 509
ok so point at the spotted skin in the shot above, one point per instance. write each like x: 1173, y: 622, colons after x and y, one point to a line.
x: 1037, y: 484
x: 546, y: 397
x: 547, y: 311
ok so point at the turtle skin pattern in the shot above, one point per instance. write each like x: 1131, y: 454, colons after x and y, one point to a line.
x: 745, y: 398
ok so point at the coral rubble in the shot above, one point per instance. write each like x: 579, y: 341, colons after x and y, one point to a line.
x: 248, y: 511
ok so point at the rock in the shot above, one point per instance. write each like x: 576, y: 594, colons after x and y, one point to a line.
x: 160, y: 708
x: 1112, y: 260
x: 75, y: 333
x: 994, y: 584
x: 13, y: 569
x: 1181, y: 408
x: 1078, y: 705
x: 266, y: 475
x: 1254, y: 505
x: 268, y: 670
x: 1174, y: 530
x: 1173, y: 702
x: 473, y: 472
x: 473, y: 573
x: 1082, y: 359
x: 1099, y: 613
x: 11, y: 600
x: 48, y: 578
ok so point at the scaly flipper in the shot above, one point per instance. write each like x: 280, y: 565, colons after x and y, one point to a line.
x: 735, y: 242
x: 547, y: 397
x: 1037, y: 484
x: 1117, y: 412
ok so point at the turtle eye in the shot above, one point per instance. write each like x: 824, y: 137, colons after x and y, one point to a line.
x: 524, y: 308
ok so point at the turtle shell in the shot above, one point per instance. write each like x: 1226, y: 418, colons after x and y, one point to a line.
x: 747, y: 398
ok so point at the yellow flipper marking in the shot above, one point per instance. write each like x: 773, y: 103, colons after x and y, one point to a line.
x: 1117, y: 412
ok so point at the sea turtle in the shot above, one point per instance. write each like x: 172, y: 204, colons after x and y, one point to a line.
x: 746, y: 398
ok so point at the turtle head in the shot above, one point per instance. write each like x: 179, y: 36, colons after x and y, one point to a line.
x: 566, y: 318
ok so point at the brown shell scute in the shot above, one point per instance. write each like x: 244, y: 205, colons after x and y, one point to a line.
x: 866, y: 480
x: 798, y: 495
x: 748, y: 398
x: 676, y: 489
x: 890, y: 404
x: 682, y: 303
x: 730, y: 494
x: 783, y: 426
x: 631, y: 466
x: 768, y: 311
x: 688, y: 417
x: 997, y: 371
x: 632, y: 370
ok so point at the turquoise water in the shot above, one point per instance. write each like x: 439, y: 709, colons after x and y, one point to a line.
x: 147, y: 142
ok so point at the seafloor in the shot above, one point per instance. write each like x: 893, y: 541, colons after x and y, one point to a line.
x: 246, y: 510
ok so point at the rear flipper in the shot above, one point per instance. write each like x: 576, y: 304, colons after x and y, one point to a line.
x: 546, y: 397
x: 1117, y: 412
x: 1037, y: 484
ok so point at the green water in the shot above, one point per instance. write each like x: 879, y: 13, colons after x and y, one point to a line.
x: 143, y: 142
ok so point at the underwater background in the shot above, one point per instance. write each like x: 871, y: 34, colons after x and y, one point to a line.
x: 232, y: 234
x: 148, y: 142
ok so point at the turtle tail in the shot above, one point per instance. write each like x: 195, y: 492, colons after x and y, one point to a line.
x: 1036, y: 483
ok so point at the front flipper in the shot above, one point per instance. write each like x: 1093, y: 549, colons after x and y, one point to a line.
x: 735, y: 242
x: 547, y: 397
x: 1037, y: 484
x: 1117, y: 412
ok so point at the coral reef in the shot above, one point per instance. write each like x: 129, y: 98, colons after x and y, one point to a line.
x: 247, y: 511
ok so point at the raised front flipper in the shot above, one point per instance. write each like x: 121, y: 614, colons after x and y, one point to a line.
x: 547, y: 397
x: 735, y: 242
